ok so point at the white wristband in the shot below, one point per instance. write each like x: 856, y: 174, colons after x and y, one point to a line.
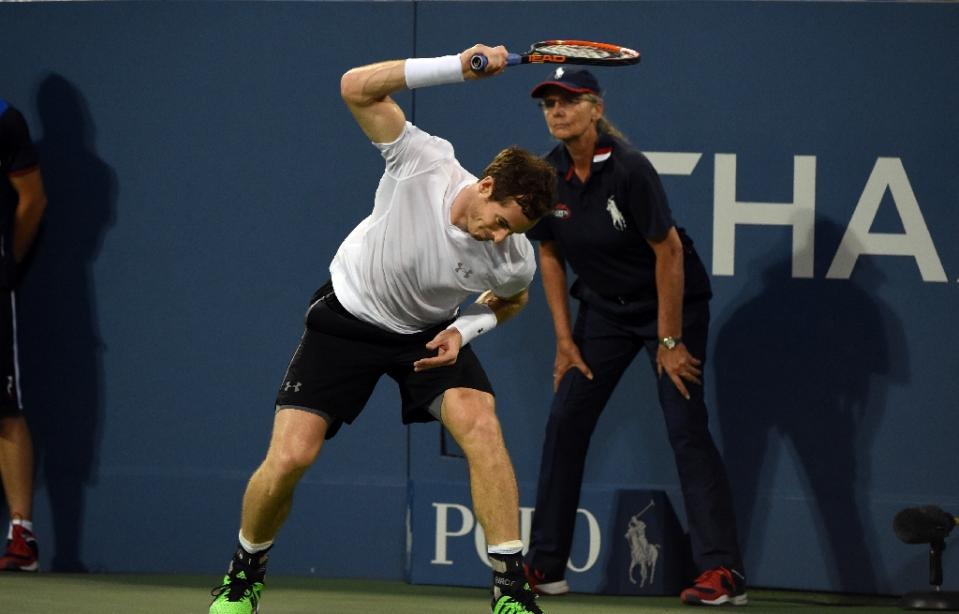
x: 424, y: 72
x: 475, y: 320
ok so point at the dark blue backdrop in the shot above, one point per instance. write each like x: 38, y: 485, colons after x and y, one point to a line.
x: 202, y: 170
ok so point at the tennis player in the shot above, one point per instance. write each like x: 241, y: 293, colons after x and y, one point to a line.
x: 437, y: 235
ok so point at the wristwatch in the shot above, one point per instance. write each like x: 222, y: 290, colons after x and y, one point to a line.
x: 670, y: 342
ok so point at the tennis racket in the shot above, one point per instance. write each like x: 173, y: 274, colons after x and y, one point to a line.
x: 565, y: 52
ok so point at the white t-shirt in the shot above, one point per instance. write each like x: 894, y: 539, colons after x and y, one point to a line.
x: 406, y: 267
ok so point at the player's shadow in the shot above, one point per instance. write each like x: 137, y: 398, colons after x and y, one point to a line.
x: 62, y: 353
x: 805, y: 364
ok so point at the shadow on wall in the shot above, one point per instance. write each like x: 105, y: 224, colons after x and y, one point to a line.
x: 837, y: 348
x: 61, y: 347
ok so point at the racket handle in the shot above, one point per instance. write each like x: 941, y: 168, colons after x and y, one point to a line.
x: 479, y: 61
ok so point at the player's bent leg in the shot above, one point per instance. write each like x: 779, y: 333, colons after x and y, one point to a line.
x: 470, y: 417
x: 297, y: 438
x: 296, y: 441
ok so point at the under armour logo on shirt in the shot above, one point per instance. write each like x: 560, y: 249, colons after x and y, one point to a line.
x: 462, y: 270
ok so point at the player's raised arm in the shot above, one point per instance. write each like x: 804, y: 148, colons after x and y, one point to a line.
x: 366, y: 89
x: 366, y: 92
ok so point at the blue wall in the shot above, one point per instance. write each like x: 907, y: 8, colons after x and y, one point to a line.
x: 202, y: 170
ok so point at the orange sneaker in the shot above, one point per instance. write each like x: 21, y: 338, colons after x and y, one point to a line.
x: 718, y: 586
x: 540, y: 585
x: 22, y: 552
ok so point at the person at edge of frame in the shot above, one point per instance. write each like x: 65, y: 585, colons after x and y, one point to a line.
x: 22, y: 204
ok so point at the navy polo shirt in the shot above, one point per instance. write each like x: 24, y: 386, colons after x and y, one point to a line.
x: 602, y: 226
x: 17, y: 156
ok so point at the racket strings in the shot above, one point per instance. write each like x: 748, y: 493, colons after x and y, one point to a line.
x: 576, y: 51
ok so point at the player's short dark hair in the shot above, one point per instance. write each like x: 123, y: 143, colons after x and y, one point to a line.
x: 526, y: 177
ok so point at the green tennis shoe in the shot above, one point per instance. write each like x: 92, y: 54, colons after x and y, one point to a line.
x: 520, y: 604
x: 236, y: 595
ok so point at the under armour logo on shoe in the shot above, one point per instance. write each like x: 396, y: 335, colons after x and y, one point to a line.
x: 291, y: 385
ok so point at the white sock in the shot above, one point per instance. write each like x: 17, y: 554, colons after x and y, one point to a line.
x: 26, y: 524
x: 254, y: 548
x: 511, y: 547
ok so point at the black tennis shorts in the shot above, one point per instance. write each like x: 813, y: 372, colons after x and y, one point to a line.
x: 341, y: 358
x: 9, y: 369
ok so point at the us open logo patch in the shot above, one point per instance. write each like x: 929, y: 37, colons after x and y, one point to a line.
x: 561, y: 212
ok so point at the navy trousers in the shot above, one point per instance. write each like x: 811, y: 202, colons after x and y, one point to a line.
x: 608, y: 346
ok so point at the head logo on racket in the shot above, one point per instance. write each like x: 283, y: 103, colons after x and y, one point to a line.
x: 566, y: 52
